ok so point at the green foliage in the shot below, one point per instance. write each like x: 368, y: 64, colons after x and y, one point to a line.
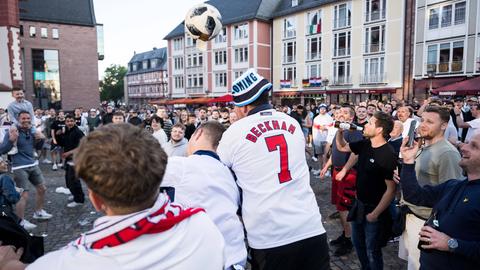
x: 111, y: 87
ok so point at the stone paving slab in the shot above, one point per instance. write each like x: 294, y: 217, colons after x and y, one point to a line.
x: 67, y: 223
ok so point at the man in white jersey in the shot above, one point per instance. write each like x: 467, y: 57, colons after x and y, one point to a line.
x: 123, y: 166
x: 202, y: 180
x: 266, y: 151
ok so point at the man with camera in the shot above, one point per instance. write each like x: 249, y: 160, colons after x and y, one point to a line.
x: 450, y: 239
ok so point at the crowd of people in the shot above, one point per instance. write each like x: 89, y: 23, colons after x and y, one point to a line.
x: 201, y: 188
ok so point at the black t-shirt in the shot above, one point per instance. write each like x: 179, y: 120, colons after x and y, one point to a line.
x: 375, y: 165
x: 56, y: 126
x: 340, y: 158
x: 71, y: 139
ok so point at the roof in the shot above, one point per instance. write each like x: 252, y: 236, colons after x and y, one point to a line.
x: 160, y: 54
x: 76, y: 12
x: 285, y: 6
x: 466, y: 87
x: 235, y: 12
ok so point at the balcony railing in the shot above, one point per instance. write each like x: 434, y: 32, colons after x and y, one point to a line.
x: 313, y: 56
x: 373, y: 78
x: 195, y: 90
x: 288, y: 59
x: 374, y: 47
x: 342, y: 80
x: 375, y: 15
x: 291, y: 33
x: 288, y: 83
x: 313, y: 29
x: 445, y: 67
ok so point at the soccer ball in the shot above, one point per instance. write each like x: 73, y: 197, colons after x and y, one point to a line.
x: 203, y: 22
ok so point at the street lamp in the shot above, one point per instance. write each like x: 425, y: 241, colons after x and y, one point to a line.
x: 325, y: 83
x: 431, y: 75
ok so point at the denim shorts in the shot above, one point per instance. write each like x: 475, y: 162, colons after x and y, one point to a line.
x: 31, y: 174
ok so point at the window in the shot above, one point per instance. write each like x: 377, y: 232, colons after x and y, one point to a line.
x: 195, y: 80
x: 240, y: 31
x: 55, y: 33
x: 237, y: 74
x: 178, y: 82
x: 220, y: 57
x: 341, y: 73
x: 289, y: 51
x: 375, y: 10
x: 447, y: 15
x: 44, y: 32
x: 314, y: 48
x: 178, y: 63
x: 290, y: 74
x: 21, y: 30
x: 342, y: 15
x: 314, y: 22
x: 194, y: 60
x: 153, y: 63
x: 445, y: 57
x: 294, y: 3
x: 314, y: 71
x: 289, y: 28
x: 375, y: 39
x: 46, y: 78
x: 460, y: 13
x: 191, y: 42
x: 178, y: 44
x: 222, y: 36
x: 374, y: 70
x: 145, y: 64
x: 241, y: 55
x: 221, y: 79
x: 32, y: 31
x: 341, y: 46
x: 433, y: 19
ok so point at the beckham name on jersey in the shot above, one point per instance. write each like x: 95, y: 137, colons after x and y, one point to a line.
x: 259, y: 129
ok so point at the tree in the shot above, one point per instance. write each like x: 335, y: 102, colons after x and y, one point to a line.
x: 111, y: 87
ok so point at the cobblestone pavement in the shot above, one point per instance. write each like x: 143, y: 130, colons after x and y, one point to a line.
x: 67, y: 223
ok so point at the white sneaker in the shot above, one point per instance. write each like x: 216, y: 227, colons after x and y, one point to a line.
x: 73, y: 204
x: 314, y: 158
x: 42, y: 214
x: 327, y: 174
x: 70, y: 198
x: 27, y: 225
x: 46, y: 161
x: 54, y: 167
x: 60, y: 165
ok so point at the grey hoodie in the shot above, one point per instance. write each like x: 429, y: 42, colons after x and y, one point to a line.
x: 176, y: 149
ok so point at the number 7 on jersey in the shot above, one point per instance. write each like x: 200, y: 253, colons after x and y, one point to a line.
x: 279, y: 143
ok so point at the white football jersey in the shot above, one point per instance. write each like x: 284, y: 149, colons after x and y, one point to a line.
x: 194, y: 243
x: 266, y: 151
x: 203, y: 181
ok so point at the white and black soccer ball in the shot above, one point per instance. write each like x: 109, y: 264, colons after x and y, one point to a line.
x: 203, y: 22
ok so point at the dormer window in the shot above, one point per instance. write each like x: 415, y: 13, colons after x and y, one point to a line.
x: 294, y: 3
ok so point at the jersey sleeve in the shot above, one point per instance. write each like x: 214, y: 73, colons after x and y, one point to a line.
x: 224, y: 150
x: 474, y: 123
x: 174, y: 172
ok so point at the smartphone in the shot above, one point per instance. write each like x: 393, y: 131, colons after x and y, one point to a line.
x: 411, y: 133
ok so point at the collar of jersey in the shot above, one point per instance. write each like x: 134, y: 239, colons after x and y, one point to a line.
x: 207, y: 153
x: 260, y: 108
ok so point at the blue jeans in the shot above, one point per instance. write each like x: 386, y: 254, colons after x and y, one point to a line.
x: 365, y: 237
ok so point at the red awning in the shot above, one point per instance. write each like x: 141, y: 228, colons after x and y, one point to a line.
x: 466, y: 87
x: 158, y: 101
x: 223, y: 99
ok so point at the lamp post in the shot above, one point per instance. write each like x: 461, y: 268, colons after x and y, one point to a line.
x: 431, y: 75
x: 325, y: 84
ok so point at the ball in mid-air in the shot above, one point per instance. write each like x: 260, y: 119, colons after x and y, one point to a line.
x: 203, y: 22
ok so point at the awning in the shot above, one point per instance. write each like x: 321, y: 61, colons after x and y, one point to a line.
x: 203, y: 100
x: 222, y: 99
x: 334, y: 91
x: 466, y: 87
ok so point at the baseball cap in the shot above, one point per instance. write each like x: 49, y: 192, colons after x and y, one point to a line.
x: 248, y: 87
x: 474, y: 99
x: 93, y: 110
x: 323, y: 105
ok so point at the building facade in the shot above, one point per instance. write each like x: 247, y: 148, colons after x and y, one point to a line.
x: 60, y: 52
x: 338, y: 50
x: 147, y: 77
x: 243, y: 43
x: 447, y: 43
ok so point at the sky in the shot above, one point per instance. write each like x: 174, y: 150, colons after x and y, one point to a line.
x: 137, y: 26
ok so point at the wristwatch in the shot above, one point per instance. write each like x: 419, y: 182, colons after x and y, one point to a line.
x: 452, y: 244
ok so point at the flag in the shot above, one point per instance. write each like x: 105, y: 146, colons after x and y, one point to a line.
x: 306, y: 83
x: 285, y: 83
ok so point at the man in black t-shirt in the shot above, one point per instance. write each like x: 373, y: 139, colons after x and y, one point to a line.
x: 57, y: 130
x: 371, y: 220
